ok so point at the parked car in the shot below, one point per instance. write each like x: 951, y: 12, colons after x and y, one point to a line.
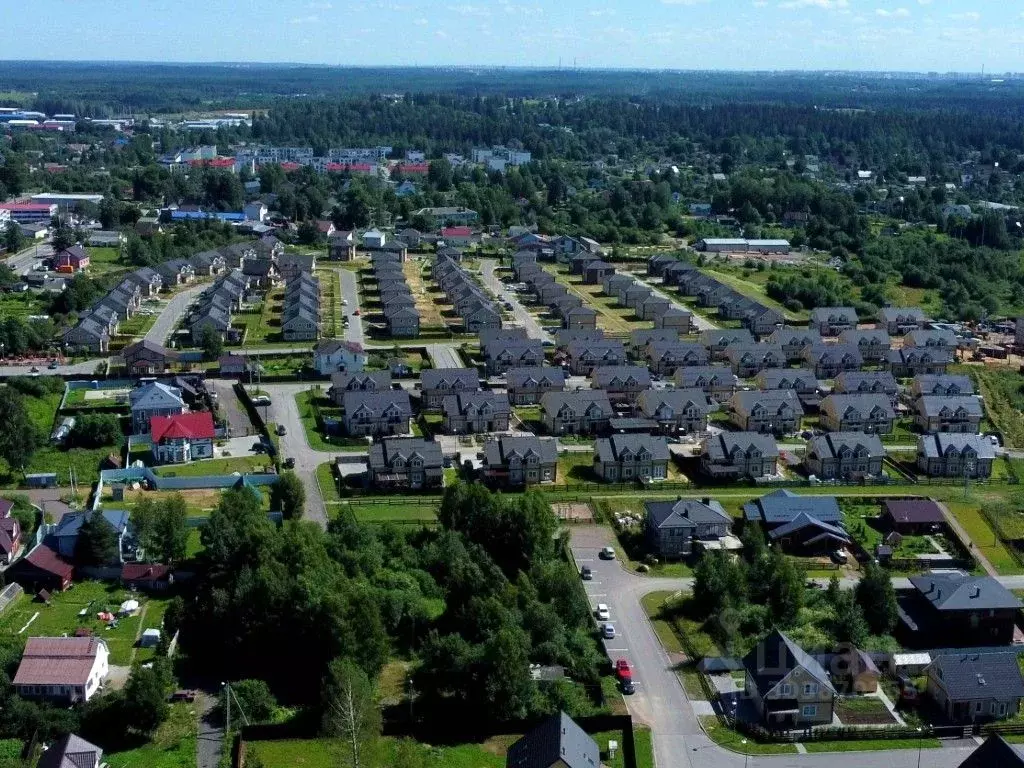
x: 608, y: 631
x: 602, y: 612
x: 53, y: 365
x: 628, y: 688
x: 261, y: 400
x: 623, y: 671
x: 585, y: 573
x: 34, y: 370
x: 289, y: 463
x: 607, y: 553
x: 183, y: 695
x: 356, y: 313
x: 839, y: 557
x: 282, y: 430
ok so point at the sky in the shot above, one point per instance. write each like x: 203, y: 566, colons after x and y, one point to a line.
x: 907, y: 35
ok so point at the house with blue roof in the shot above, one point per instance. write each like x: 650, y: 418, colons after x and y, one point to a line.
x: 803, y: 525
x: 64, y: 537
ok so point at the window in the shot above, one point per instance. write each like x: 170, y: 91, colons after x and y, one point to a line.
x: 1002, y: 709
x: 785, y: 689
x: 979, y: 707
x: 810, y: 689
x: 810, y: 710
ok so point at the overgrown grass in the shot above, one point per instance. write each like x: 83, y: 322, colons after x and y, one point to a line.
x: 172, y: 746
x: 734, y: 741
x: 329, y: 753
x: 1003, y: 390
x: 328, y: 485
x: 241, y: 464
x: 984, y: 538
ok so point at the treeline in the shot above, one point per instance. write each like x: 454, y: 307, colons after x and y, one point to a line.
x: 472, y: 603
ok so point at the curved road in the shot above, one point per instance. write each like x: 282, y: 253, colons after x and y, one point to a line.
x: 661, y: 702
x: 521, y: 313
x: 170, y: 314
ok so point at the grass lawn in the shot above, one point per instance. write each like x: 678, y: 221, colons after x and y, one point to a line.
x: 172, y: 746
x: 652, y: 603
x: 195, y: 544
x: 871, y: 745
x: 317, y: 440
x: 10, y: 753
x: 22, y: 304
x: 61, y: 617
x: 732, y: 740
x: 1003, y: 389
x: 329, y: 753
x: 983, y: 537
x: 103, y: 397
x: 401, y: 512
x: 328, y: 485
x: 748, y: 283
x: 241, y: 464
x: 576, y: 467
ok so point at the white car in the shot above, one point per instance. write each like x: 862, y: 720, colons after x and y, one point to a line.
x: 608, y: 631
x: 602, y: 612
x: 344, y: 302
x: 607, y: 553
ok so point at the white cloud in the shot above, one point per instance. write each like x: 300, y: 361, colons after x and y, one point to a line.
x: 896, y: 13
x: 602, y: 12
x: 825, y: 5
x: 760, y: 3
x: 319, y: 6
x: 421, y: 22
x: 683, y: 2
x: 310, y: 19
x: 467, y: 10
x: 965, y: 16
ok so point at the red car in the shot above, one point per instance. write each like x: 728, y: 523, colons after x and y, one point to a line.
x: 623, y: 671
x: 356, y: 313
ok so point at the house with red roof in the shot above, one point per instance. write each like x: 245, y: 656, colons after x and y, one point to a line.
x: 414, y: 169
x: 459, y: 236
x: 183, y: 437
x: 10, y: 533
x: 151, y: 577
x: 65, y: 669
x: 42, y: 568
x: 71, y: 260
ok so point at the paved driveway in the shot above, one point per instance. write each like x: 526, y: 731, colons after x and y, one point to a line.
x: 700, y: 322
x: 521, y: 314
x: 445, y: 356
x: 239, y: 424
x: 172, y: 313
x: 350, y: 292
x: 661, y: 702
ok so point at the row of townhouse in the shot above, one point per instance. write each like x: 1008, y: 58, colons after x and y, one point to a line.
x: 547, y: 291
x: 397, y: 303
x: 300, y: 312
x: 217, y: 305
x: 508, y: 348
x: 473, y: 304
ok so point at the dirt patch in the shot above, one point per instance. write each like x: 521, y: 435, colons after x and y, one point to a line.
x: 863, y: 711
x: 199, y: 498
x: 430, y: 313
x: 573, y: 512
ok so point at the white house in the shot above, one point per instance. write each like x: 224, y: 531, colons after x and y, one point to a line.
x: 334, y: 355
x: 255, y: 211
x: 374, y: 238
x: 65, y: 669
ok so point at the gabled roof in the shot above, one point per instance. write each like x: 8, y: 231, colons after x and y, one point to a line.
x: 330, y: 346
x: 155, y: 395
x: 721, y: 446
x: 929, y: 383
x: 803, y: 522
x: 959, y: 592
x: 520, y: 377
x: 71, y: 523
x: 612, y: 449
x: 972, y: 676
x: 433, y: 378
x: 862, y: 403
x: 187, y: 426
x: 783, y: 505
x: 605, y: 375
x: 685, y: 513
x: 832, y: 444
x: 850, y: 381
x: 936, y: 405
x: 776, y: 378
x: 384, y: 452
x: 679, y: 400
x: 775, y: 657
x: 834, y: 314
x: 70, y: 751
x: 498, y: 452
x: 556, y: 741
x: 58, y: 660
x: 944, y: 443
x: 774, y: 400
x: 995, y: 752
x: 552, y: 402
x: 376, y: 401
x: 461, y: 403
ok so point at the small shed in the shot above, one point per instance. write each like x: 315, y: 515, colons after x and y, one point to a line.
x: 912, y: 516
x: 718, y: 665
x: 41, y: 480
x: 909, y: 663
x: 149, y: 638
x: 883, y: 553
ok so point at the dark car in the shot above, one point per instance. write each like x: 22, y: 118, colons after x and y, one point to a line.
x: 289, y: 463
x: 628, y: 688
x: 34, y: 370
x: 281, y: 429
x: 188, y: 696
x: 585, y: 573
x: 53, y: 365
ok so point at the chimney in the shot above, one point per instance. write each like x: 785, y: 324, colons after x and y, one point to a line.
x: 976, y: 592
x: 706, y: 501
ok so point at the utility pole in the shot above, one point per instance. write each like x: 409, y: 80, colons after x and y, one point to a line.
x: 227, y: 704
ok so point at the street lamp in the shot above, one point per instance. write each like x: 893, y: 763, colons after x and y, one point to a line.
x: 746, y: 755
x: 919, y: 745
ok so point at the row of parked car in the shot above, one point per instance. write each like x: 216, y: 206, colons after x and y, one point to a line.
x: 623, y: 671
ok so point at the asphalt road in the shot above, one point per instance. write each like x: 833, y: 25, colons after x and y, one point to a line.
x: 521, y: 314
x: 445, y: 356
x: 22, y: 261
x: 172, y: 313
x: 700, y: 322
x: 350, y: 292
x: 661, y: 702
x: 283, y: 410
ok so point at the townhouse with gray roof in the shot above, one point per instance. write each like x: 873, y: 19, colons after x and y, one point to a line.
x: 774, y: 411
x: 914, y: 361
x: 965, y: 611
x: 858, y: 413
x: 360, y: 381
x: 501, y: 355
x: 729, y: 455
x: 514, y: 461
x: 952, y: 413
x: 664, y: 357
x: 867, y: 383
x: 921, y: 337
x: 474, y: 412
x: 794, y: 340
x: 800, y: 380
x: 844, y: 455
x: 585, y: 356
x: 584, y: 412
x: 405, y: 463
x: 438, y: 383
x: 675, y: 319
x: 829, y: 360
x: 657, y: 263
x: 628, y: 457
x: 718, y: 381
x: 749, y: 360
x: 832, y: 321
x: 897, y: 321
x: 639, y: 339
x: 621, y: 382
x: 950, y: 454
x: 718, y: 340
x: 672, y: 527
x: 942, y: 385
x: 566, y: 336
x: 762, y: 321
x: 675, y: 410
x: 526, y: 385
x: 612, y: 284
x: 652, y: 307
x: 580, y: 317
x: 872, y: 343
x: 634, y: 296
x: 376, y: 413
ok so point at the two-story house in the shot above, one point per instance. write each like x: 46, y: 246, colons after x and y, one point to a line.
x: 718, y: 381
x: 68, y: 670
x: 639, y: 339
x: 872, y: 343
x: 774, y: 411
x: 526, y: 385
x: 858, y: 413
x: 153, y: 399
x: 501, y: 355
x: 788, y: 687
x: 800, y: 380
x: 628, y: 457
x: 664, y: 357
x: 897, y: 321
x: 922, y: 337
x: 729, y: 455
x: 944, y: 385
x: 333, y: 355
x: 470, y: 412
x: 952, y: 413
x: 829, y: 360
x: 672, y: 527
x: 794, y: 340
x: 363, y: 381
x: 513, y: 461
x: 405, y: 463
x: 965, y: 611
x: 747, y: 361
x: 914, y: 361
x: 376, y: 413
x: 976, y: 687
x: 675, y: 410
x: 585, y: 356
x: 676, y: 319
x: 621, y: 382
x: 867, y: 383
x: 584, y: 412
x: 948, y: 454
x: 832, y: 321
x: 719, y: 340
x: 438, y: 383
x: 182, y: 438
x: 844, y: 455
